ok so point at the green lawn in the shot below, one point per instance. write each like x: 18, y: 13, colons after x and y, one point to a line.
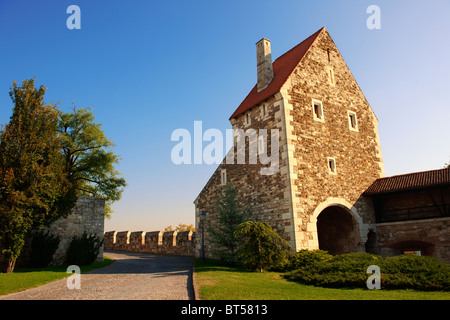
x: 215, y: 282
x: 26, y: 278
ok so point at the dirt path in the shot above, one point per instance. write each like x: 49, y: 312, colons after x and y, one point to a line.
x: 133, y: 276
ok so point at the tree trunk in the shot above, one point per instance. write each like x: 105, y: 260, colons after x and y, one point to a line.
x: 8, y: 266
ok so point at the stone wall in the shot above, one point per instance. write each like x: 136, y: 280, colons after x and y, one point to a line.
x: 157, y: 242
x: 430, y: 236
x: 87, y: 216
x: 312, y: 141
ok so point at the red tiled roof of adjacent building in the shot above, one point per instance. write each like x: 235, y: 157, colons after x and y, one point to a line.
x: 410, y: 181
x: 282, y: 69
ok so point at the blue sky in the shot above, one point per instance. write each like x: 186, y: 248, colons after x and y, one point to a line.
x: 150, y: 67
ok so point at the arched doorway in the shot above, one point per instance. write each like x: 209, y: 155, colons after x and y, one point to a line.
x: 416, y: 247
x: 337, y: 231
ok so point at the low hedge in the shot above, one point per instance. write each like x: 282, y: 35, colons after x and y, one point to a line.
x: 349, y: 270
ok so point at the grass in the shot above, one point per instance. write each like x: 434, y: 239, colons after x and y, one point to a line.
x: 26, y: 278
x: 215, y: 282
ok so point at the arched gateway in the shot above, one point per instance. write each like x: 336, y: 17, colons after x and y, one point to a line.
x: 339, y: 227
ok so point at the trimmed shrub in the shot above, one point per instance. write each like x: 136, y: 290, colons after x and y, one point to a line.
x: 43, y: 247
x: 306, y: 257
x: 83, y: 250
x: 401, y: 272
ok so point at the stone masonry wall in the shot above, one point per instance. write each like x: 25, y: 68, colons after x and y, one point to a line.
x: 265, y: 196
x: 323, y: 76
x: 87, y: 216
x: 157, y: 242
x: 431, y: 236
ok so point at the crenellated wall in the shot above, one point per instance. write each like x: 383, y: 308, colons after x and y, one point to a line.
x: 157, y: 242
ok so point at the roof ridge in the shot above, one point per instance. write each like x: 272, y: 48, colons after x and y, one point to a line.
x: 298, y: 44
x: 315, y: 35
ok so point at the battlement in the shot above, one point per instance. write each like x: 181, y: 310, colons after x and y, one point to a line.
x: 157, y: 242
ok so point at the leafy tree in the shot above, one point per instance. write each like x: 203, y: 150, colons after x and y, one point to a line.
x: 89, y: 161
x: 180, y: 228
x: 229, y: 216
x: 32, y: 179
x: 263, y: 247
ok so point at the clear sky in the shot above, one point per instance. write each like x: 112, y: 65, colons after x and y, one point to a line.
x: 149, y: 67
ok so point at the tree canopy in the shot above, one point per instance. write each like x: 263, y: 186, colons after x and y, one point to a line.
x: 47, y: 159
x: 89, y: 160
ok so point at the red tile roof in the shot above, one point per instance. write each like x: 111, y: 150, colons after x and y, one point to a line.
x: 410, y: 181
x: 282, y: 69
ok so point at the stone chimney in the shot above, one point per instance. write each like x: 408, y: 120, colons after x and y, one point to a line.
x: 264, y: 63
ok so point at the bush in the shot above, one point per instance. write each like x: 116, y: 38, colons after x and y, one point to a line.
x: 401, y: 272
x: 416, y: 272
x: 43, y: 247
x: 83, y: 250
x: 305, y: 258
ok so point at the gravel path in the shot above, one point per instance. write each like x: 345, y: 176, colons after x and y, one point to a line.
x: 133, y: 276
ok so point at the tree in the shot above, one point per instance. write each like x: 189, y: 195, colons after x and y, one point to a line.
x: 32, y: 179
x: 229, y: 216
x: 263, y: 246
x: 180, y: 228
x: 89, y: 160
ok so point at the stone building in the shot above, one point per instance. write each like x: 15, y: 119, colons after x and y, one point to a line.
x: 328, y: 151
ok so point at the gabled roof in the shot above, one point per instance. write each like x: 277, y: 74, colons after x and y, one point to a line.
x: 282, y: 69
x: 410, y: 181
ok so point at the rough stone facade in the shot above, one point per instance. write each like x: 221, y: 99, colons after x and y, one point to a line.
x: 157, y: 242
x: 292, y: 199
x: 430, y: 237
x: 414, y: 221
x: 87, y: 216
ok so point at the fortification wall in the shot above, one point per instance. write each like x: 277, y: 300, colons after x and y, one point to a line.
x: 157, y: 242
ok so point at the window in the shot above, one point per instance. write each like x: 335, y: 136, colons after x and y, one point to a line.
x: 261, y: 145
x: 331, y: 75
x: 317, y: 110
x: 247, y: 119
x: 223, y: 177
x: 352, y: 121
x: 328, y: 52
x: 331, y: 165
x: 264, y: 110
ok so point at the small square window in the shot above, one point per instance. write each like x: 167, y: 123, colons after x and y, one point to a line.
x: 331, y: 165
x: 223, y: 177
x: 317, y: 110
x: 352, y: 121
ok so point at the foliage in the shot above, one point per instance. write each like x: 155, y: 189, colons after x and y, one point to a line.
x: 217, y: 282
x: 43, y: 247
x: 263, y: 246
x: 304, y: 258
x: 415, y: 272
x: 32, y: 179
x: 400, y: 272
x: 180, y: 228
x: 83, y: 249
x: 229, y: 216
x: 88, y: 157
